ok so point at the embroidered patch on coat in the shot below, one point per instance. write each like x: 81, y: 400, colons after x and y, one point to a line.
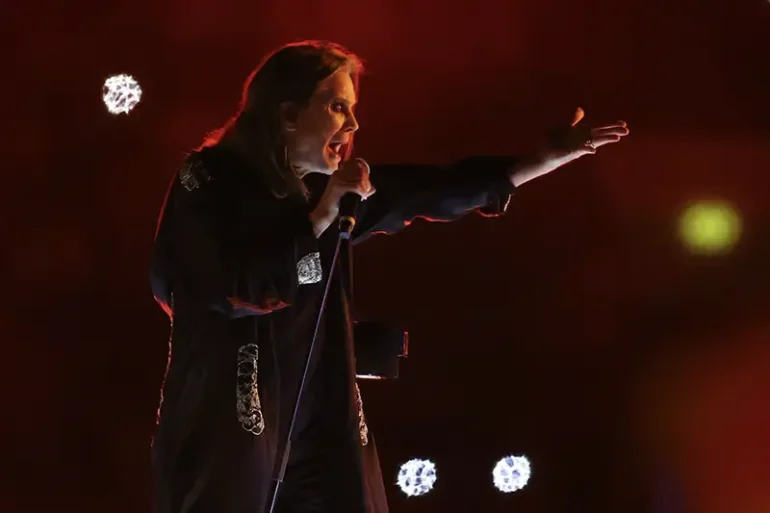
x: 248, y: 407
x: 309, y: 269
x: 363, y: 429
x: 192, y: 173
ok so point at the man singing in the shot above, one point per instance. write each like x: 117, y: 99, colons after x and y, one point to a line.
x: 242, y: 251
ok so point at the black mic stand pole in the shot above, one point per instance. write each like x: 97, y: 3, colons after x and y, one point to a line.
x: 346, y: 223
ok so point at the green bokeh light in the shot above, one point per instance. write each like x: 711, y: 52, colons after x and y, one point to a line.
x: 710, y: 227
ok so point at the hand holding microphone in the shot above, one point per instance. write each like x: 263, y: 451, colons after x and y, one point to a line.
x: 346, y: 188
x: 351, y: 177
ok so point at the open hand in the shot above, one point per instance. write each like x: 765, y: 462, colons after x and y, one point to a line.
x: 576, y: 140
x: 565, y: 145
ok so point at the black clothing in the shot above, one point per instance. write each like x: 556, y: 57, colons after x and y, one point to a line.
x: 239, y: 272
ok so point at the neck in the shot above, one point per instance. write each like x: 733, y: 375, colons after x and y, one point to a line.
x: 300, y: 172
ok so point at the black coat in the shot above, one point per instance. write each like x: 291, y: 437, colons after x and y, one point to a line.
x: 241, y: 276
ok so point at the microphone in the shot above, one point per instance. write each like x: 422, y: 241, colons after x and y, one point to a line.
x: 348, y: 211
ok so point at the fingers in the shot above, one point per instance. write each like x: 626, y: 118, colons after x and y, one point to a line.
x: 353, y: 169
x: 589, y: 139
x: 353, y: 176
x: 610, y: 130
x: 361, y: 164
x: 608, y: 134
x: 598, y: 142
x: 617, y: 128
x: 363, y: 188
x: 617, y: 124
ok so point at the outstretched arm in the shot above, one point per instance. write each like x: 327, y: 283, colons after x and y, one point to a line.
x: 481, y: 184
x: 408, y: 191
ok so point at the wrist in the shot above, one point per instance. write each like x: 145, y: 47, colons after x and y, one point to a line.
x: 321, y: 218
x: 526, y: 169
x: 531, y: 167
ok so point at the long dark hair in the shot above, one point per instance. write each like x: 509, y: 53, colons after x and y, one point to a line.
x: 289, y: 74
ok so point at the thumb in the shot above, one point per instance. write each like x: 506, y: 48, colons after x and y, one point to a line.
x: 579, y: 114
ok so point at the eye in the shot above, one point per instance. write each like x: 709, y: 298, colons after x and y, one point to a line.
x: 338, y: 107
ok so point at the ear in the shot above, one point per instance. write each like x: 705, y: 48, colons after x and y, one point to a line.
x: 289, y: 116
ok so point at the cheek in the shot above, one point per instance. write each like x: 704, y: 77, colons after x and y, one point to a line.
x: 314, y: 129
x: 314, y: 133
x: 328, y: 125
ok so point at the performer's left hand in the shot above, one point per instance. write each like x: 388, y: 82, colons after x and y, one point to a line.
x: 567, y: 144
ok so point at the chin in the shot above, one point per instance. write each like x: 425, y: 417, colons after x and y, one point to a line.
x: 324, y: 168
x: 329, y: 167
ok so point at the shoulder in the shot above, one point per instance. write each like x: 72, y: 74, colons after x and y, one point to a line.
x: 208, y: 169
x: 207, y: 165
x: 194, y: 172
x: 217, y: 177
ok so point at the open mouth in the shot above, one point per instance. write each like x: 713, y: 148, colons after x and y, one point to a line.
x: 335, y: 149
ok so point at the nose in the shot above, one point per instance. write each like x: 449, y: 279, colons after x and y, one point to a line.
x: 351, y: 123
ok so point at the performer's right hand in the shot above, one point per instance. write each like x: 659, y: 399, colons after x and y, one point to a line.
x: 352, y: 176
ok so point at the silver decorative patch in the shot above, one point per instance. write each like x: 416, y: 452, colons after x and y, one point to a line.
x: 309, y: 269
x: 191, y: 173
x: 248, y: 407
x: 363, y: 429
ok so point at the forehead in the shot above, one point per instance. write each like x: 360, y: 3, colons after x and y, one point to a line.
x: 337, y: 85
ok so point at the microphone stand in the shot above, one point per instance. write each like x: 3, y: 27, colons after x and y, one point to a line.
x: 346, y: 223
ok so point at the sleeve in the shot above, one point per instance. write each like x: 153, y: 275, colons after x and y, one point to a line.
x: 238, y: 258
x: 434, y: 193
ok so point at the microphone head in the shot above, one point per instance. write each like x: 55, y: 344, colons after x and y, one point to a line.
x: 349, y: 203
x: 348, y: 212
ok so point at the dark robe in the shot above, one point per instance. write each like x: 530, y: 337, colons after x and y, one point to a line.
x: 241, y: 276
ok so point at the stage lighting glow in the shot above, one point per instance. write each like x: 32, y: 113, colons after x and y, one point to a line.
x: 511, y: 473
x: 710, y: 227
x: 417, y: 477
x: 121, y: 93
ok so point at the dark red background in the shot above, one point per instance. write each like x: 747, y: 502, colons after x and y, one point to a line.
x: 575, y: 330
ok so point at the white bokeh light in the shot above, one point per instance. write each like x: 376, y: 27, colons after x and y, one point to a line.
x: 511, y: 473
x: 121, y: 93
x: 417, y: 477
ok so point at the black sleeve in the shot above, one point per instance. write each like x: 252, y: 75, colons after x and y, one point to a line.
x: 434, y: 193
x: 237, y: 257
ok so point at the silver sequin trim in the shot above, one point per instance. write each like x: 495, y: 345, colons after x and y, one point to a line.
x: 363, y: 429
x: 309, y: 269
x: 190, y: 173
x: 248, y: 407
